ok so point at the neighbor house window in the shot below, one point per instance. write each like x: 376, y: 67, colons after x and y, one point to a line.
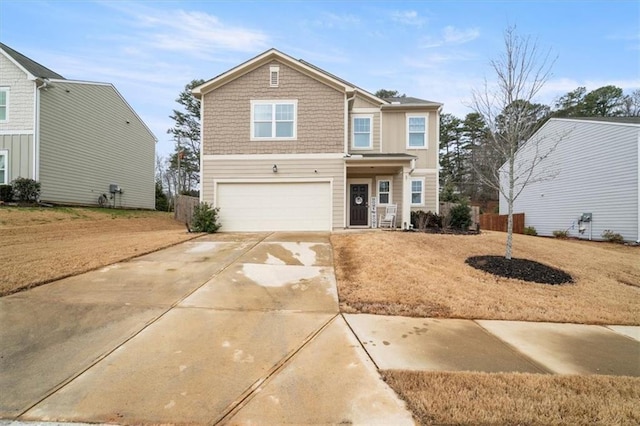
x: 4, y: 172
x: 384, y: 191
x: 273, y: 119
x: 4, y: 104
x: 416, y: 131
x: 417, y: 190
x: 362, y: 132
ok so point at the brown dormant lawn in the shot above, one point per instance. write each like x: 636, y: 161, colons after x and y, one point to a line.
x: 425, y: 275
x: 517, y: 398
x: 43, y: 244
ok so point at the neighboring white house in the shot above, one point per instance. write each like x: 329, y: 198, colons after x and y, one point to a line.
x: 76, y: 138
x: 596, y: 175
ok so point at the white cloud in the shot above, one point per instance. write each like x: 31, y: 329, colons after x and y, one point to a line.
x: 198, y: 33
x: 333, y: 20
x: 407, y: 17
x: 451, y: 36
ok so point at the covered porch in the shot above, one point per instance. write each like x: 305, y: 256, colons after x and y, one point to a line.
x: 375, y: 181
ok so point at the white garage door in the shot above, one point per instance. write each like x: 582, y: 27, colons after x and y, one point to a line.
x: 281, y: 206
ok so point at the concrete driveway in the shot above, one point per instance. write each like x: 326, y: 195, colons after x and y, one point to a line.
x: 231, y: 328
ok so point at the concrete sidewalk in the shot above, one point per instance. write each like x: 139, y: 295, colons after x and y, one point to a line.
x: 244, y: 329
x: 401, y: 343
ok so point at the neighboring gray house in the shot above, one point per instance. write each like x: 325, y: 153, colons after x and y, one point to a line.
x: 75, y: 137
x: 596, y: 162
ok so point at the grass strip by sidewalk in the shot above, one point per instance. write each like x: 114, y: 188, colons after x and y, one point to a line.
x: 517, y: 398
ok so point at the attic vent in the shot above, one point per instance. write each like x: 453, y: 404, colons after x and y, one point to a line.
x: 395, y: 103
x: 274, y: 76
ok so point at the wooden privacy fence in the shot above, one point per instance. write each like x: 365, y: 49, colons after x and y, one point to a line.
x: 498, y: 222
x: 183, y: 211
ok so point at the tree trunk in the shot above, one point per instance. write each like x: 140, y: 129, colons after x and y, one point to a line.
x: 507, y: 254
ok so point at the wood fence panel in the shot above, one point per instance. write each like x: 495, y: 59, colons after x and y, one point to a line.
x: 496, y: 222
x: 183, y: 211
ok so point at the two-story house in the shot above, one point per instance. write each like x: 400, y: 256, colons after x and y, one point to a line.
x: 79, y: 139
x: 288, y: 146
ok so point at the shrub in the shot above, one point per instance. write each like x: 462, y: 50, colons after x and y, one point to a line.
x: 530, y: 230
x: 6, y: 193
x: 460, y: 215
x: 561, y: 234
x: 162, y: 202
x: 612, y: 237
x: 205, y: 218
x: 26, y: 190
x: 422, y: 220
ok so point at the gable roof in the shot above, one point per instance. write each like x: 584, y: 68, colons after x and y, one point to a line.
x: 300, y: 65
x: 31, y: 67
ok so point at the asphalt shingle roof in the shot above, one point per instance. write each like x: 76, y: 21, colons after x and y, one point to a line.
x: 30, y: 65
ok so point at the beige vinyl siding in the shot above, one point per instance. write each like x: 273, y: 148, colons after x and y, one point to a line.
x: 20, y: 159
x: 86, y: 144
x: 362, y: 102
x: 375, y: 133
x: 288, y: 170
x: 21, y: 96
x: 227, y: 114
x: 394, y: 137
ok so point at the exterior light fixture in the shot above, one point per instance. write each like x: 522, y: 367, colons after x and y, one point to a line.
x: 275, y: 168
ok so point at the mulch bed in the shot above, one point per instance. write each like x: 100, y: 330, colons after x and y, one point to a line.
x: 520, y: 269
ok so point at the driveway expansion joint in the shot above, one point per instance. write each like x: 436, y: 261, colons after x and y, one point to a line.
x: 244, y: 398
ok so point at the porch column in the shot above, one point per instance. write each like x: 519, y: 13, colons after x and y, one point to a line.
x: 406, y: 198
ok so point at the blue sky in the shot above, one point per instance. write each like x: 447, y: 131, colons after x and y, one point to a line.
x: 435, y: 50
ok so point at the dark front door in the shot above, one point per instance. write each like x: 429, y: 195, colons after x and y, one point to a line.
x: 359, y: 195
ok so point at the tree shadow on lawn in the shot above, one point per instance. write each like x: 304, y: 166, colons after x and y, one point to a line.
x: 520, y: 269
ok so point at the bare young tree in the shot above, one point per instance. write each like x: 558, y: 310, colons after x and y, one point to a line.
x: 507, y: 107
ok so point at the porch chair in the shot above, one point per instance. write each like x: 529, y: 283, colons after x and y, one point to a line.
x: 389, y: 218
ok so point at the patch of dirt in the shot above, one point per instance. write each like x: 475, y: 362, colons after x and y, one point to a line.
x: 520, y: 269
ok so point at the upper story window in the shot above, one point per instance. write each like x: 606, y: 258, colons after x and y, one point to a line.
x: 417, y: 131
x: 417, y: 191
x: 274, y: 119
x: 4, y: 104
x: 4, y: 173
x: 274, y: 76
x: 361, y: 138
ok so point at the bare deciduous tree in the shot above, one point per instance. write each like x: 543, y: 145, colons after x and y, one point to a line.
x: 508, y: 109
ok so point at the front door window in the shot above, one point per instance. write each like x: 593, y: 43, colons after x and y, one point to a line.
x: 359, y: 194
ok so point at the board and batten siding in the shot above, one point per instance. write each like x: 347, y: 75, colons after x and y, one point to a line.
x: 289, y: 169
x: 91, y: 138
x: 20, y: 148
x: 597, y: 172
x: 21, y: 97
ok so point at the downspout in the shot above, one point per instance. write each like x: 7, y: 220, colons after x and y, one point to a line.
x: 438, y: 160
x: 638, y: 200
x: 39, y: 84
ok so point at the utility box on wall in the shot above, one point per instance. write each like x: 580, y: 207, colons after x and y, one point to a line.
x: 586, y: 217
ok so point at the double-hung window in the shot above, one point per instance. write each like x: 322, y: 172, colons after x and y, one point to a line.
x: 362, y: 132
x: 4, y: 104
x: 273, y: 120
x: 384, y: 191
x: 4, y: 164
x: 417, y: 191
x: 417, y: 131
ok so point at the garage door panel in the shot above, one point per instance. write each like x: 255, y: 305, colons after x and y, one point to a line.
x: 281, y: 206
